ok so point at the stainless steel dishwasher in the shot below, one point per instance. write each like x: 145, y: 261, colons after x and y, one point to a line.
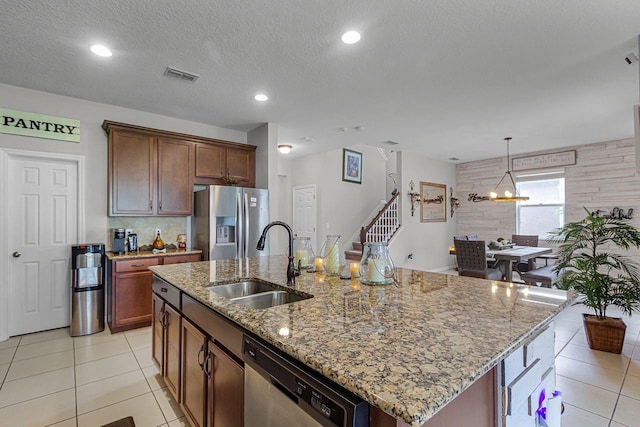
x: 281, y: 393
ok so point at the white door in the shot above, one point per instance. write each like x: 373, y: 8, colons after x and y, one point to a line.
x: 42, y: 225
x: 304, y: 213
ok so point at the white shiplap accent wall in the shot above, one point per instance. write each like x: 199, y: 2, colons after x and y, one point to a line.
x: 604, y: 177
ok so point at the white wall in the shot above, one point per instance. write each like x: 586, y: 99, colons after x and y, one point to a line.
x: 427, y: 241
x: 342, y: 206
x: 93, y: 141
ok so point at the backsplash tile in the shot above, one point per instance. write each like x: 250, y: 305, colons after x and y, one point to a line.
x: 145, y: 228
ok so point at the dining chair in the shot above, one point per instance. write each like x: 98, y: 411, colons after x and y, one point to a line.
x: 524, y: 240
x: 471, y: 256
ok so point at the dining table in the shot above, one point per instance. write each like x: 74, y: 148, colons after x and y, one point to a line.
x: 516, y: 254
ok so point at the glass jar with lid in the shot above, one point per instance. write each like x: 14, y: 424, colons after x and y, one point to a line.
x: 376, y: 266
x: 333, y: 259
x: 303, y: 253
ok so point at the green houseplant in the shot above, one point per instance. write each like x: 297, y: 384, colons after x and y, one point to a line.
x: 603, y: 278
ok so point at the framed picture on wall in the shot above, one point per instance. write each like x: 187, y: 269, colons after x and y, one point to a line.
x: 433, y: 206
x: 351, y: 166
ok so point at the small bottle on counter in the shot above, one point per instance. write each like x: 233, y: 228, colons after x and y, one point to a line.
x: 158, y: 243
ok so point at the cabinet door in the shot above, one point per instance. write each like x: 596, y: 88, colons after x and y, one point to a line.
x: 131, y: 173
x: 171, y: 371
x: 157, y: 338
x: 175, y: 186
x: 210, y: 161
x: 131, y: 300
x: 193, y: 389
x: 241, y: 163
x: 226, y: 389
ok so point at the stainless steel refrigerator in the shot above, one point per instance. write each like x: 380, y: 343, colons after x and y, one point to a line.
x: 228, y: 221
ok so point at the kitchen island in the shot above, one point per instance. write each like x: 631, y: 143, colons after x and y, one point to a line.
x: 408, y: 349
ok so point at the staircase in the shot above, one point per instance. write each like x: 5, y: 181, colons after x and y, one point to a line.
x: 381, y: 229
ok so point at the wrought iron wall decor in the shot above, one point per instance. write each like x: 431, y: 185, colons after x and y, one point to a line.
x: 473, y: 197
x: 455, y: 202
x: 414, y: 197
x: 616, y: 213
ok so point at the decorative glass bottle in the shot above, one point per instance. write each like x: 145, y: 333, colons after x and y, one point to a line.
x: 158, y: 243
x: 376, y: 267
x: 303, y: 252
x: 333, y: 259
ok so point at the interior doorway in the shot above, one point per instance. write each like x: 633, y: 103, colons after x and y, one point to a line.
x: 41, y: 215
x: 305, y: 214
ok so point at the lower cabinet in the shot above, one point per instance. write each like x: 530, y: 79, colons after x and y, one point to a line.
x: 131, y: 297
x: 225, y: 388
x: 193, y: 390
x: 200, y: 373
x: 165, y: 350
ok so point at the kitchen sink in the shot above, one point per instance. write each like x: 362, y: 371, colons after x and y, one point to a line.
x: 241, y: 289
x: 257, y: 294
x: 268, y: 299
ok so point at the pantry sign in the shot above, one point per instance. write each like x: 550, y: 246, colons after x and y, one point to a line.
x: 38, y: 125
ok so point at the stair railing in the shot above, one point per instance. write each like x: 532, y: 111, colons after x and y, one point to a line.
x: 384, y: 225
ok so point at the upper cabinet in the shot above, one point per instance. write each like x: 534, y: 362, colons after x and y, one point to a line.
x: 225, y: 164
x: 152, y: 172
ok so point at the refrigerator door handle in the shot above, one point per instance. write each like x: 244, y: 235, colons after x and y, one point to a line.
x: 246, y: 224
x: 239, y: 230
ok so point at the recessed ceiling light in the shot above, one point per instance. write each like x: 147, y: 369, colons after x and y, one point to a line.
x: 351, y: 37
x: 101, y: 50
x: 261, y: 97
x: 284, y: 148
x: 454, y: 159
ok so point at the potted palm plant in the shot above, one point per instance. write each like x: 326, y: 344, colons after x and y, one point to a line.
x: 602, y: 277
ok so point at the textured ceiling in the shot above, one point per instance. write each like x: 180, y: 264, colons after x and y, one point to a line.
x: 448, y: 78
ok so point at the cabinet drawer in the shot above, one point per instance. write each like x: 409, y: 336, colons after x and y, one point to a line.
x: 518, y: 392
x: 178, y: 259
x: 541, y: 347
x: 168, y: 292
x: 221, y: 330
x: 138, y: 264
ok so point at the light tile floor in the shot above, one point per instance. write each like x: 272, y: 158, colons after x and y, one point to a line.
x: 51, y: 379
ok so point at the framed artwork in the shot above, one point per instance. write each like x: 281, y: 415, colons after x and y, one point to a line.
x: 351, y: 166
x: 433, y: 206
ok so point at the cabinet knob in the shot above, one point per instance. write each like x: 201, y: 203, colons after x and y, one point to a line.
x: 163, y: 289
x: 137, y: 265
x: 150, y: 204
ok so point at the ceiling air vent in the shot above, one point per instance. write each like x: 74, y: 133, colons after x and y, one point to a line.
x: 391, y: 142
x: 181, y: 75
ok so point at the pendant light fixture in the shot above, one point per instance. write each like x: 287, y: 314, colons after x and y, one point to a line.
x: 511, y: 193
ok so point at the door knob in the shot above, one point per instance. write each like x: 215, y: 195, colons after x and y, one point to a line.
x: 16, y: 254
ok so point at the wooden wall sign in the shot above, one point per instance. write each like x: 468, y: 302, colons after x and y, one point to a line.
x: 39, y: 125
x: 541, y: 161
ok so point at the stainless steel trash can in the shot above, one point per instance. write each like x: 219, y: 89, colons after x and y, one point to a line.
x: 87, y: 289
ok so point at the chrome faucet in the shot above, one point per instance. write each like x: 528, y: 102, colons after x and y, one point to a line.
x: 291, y: 270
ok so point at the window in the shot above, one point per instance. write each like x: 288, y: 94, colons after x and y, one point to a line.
x: 544, y: 211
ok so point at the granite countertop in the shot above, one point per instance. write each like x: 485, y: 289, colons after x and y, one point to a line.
x: 408, y: 349
x: 147, y: 254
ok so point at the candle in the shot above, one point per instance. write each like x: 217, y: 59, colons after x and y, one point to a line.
x: 333, y: 260
x: 354, y: 268
x: 318, y: 264
x: 375, y: 273
x: 302, y: 256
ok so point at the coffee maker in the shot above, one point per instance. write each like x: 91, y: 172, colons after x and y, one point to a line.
x: 119, y: 241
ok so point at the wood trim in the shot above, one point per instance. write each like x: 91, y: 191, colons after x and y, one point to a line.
x: 109, y: 125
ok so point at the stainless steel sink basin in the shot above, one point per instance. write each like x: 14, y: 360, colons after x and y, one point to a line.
x: 241, y: 289
x: 268, y: 299
x: 257, y: 294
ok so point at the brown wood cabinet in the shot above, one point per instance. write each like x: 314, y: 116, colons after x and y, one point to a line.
x: 215, y: 163
x: 149, y: 174
x: 225, y: 389
x: 129, y: 302
x: 165, y: 350
x: 193, y: 386
x: 152, y: 172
